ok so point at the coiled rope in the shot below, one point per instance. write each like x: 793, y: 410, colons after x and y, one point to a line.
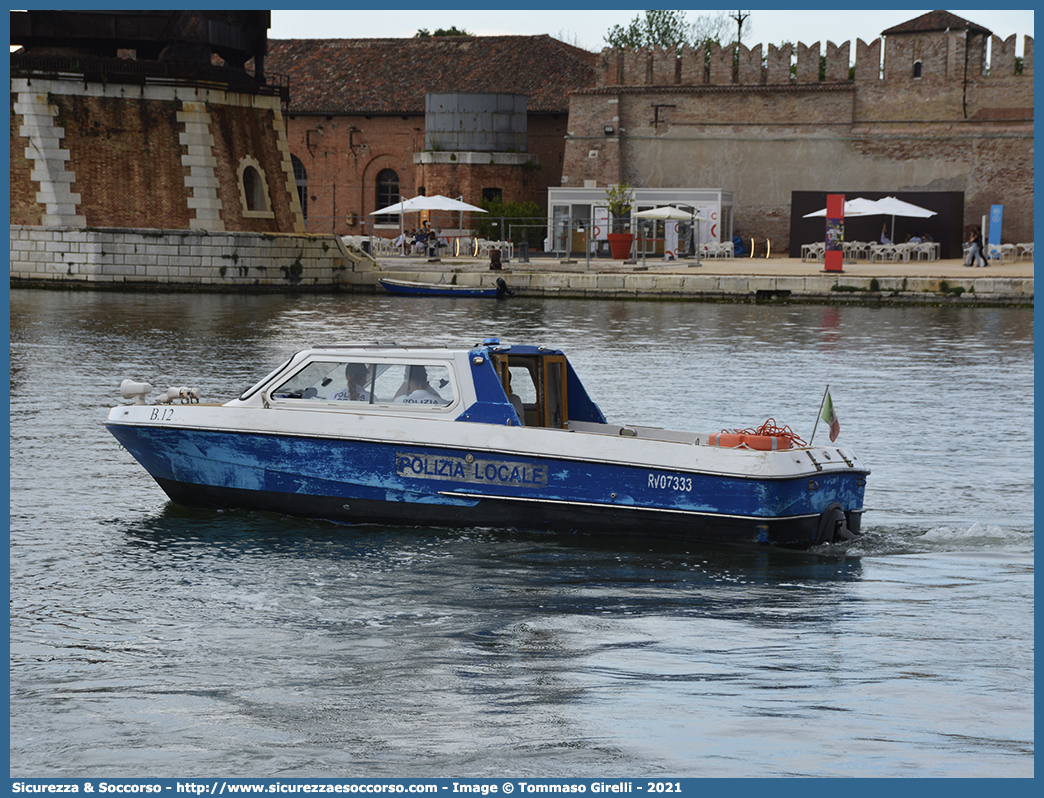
x: 769, y: 428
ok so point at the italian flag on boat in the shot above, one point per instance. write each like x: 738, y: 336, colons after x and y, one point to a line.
x: 830, y: 417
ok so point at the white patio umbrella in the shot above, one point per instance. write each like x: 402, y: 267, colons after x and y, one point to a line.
x: 853, y: 207
x: 670, y: 213
x: 448, y: 204
x: 436, y: 202
x: 891, y: 206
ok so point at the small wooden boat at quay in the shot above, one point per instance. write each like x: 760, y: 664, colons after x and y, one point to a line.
x: 490, y: 435
x: 444, y: 289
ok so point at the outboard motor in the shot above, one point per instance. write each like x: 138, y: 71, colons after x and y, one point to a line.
x: 833, y: 527
x: 503, y: 292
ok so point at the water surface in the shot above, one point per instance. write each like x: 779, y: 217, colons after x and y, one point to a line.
x: 148, y: 639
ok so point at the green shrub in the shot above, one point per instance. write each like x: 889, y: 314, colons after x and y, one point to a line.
x: 513, y: 214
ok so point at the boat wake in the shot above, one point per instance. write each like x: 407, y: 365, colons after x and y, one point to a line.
x: 977, y: 538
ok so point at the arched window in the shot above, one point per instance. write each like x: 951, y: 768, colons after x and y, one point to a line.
x: 917, y: 69
x: 301, y: 179
x: 253, y: 190
x: 387, y: 194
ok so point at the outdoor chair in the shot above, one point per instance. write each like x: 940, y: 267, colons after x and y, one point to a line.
x: 1002, y: 253
x: 882, y: 252
x: 813, y: 252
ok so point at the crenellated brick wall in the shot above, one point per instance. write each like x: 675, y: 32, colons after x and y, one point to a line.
x: 911, y: 112
x: 942, y: 56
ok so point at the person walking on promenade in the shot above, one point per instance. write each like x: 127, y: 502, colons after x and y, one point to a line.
x: 975, y: 249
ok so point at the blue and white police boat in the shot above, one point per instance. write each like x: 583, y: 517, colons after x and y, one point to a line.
x: 495, y: 435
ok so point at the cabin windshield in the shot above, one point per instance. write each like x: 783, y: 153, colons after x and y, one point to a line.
x: 371, y: 383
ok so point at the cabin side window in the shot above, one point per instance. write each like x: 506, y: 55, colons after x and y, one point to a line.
x: 413, y: 384
x: 406, y: 384
x: 325, y: 380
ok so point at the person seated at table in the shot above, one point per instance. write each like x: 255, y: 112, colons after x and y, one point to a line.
x: 927, y: 238
x: 420, y: 241
x: 884, y: 235
x: 912, y: 239
x: 433, y: 242
x: 400, y: 242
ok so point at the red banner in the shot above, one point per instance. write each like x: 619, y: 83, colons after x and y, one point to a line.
x: 834, y: 256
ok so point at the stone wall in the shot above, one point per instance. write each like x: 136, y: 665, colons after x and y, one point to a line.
x: 183, y: 259
x: 812, y: 288
x: 920, y: 114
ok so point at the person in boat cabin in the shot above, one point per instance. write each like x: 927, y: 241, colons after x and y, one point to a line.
x: 416, y: 390
x: 356, y: 374
x: 516, y: 402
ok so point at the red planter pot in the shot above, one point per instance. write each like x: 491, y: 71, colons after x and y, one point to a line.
x: 620, y: 245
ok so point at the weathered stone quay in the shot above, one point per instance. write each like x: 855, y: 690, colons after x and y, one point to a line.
x: 745, y: 280
x: 193, y: 260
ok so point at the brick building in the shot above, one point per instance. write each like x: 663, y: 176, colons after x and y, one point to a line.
x: 364, y: 131
x: 148, y: 119
x: 920, y: 113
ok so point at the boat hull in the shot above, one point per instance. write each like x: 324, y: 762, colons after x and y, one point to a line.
x: 373, y: 482
x: 434, y: 289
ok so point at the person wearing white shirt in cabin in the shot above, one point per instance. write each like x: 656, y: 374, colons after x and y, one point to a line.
x: 416, y: 390
x: 356, y: 375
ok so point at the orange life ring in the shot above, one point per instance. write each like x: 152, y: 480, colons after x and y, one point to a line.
x: 767, y: 443
x: 725, y: 439
x: 762, y: 443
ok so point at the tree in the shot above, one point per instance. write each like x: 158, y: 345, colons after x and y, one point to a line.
x: 524, y: 221
x: 662, y: 28
x: 423, y: 33
x: 619, y: 199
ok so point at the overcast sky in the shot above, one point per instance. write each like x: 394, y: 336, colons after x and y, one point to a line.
x: 587, y: 28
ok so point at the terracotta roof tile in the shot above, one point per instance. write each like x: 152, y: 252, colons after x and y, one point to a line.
x: 935, y: 21
x: 393, y: 75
